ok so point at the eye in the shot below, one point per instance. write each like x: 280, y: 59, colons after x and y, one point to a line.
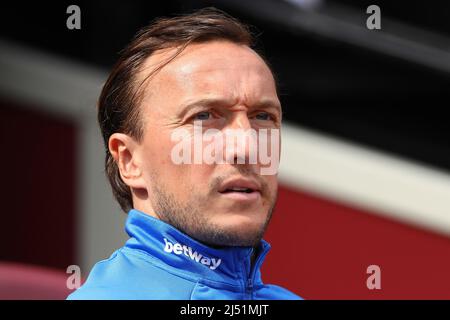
x: 264, y: 116
x: 204, y: 115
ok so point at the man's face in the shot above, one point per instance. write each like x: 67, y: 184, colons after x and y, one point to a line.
x: 222, y: 86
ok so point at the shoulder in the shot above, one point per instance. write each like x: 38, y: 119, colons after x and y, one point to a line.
x: 132, y: 275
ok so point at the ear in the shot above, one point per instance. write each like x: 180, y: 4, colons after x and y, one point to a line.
x: 125, y: 151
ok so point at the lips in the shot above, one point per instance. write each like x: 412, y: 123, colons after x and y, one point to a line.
x: 239, y: 185
x: 241, y: 189
x: 238, y: 189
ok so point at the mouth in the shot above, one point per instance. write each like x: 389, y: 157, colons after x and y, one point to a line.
x: 241, y: 190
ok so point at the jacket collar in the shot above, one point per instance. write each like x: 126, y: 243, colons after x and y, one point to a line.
x: 178, y: 250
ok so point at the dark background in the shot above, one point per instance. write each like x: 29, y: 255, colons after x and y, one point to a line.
x: 326, y: 82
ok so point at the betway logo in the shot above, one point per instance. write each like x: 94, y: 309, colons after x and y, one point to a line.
x: 178, y: 249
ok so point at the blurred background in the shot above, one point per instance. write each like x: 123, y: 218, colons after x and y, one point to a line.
x: 365, y: 157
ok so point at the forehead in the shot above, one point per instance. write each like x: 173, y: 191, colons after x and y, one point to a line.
x: 213, y: 68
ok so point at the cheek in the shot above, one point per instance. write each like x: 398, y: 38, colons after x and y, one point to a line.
x: 157, y: 153
x: 157, y: 160
x: 180, y: 179
x: 272, y: 184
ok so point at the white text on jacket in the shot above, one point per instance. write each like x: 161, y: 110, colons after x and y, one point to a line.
x: 178, y: 249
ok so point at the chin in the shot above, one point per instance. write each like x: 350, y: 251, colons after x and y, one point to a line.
x: 241, y: 223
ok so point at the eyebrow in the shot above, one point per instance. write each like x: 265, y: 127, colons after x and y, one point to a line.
x: 211, y: 102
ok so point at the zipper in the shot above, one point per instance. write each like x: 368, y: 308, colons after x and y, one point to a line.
x: 249, y: 288
x: 251, y: 278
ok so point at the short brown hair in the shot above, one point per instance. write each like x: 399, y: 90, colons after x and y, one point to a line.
x: 120, y: 97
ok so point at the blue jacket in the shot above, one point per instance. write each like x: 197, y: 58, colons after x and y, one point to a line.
x: 161, y: 262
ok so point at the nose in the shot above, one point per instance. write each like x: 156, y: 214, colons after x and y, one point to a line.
x: 240, y: 140
x: 239, y: 120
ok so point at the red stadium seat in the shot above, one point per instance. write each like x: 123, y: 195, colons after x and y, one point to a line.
x: 19, y: 281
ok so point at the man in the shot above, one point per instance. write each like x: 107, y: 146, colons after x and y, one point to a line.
x: 195, y: 227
